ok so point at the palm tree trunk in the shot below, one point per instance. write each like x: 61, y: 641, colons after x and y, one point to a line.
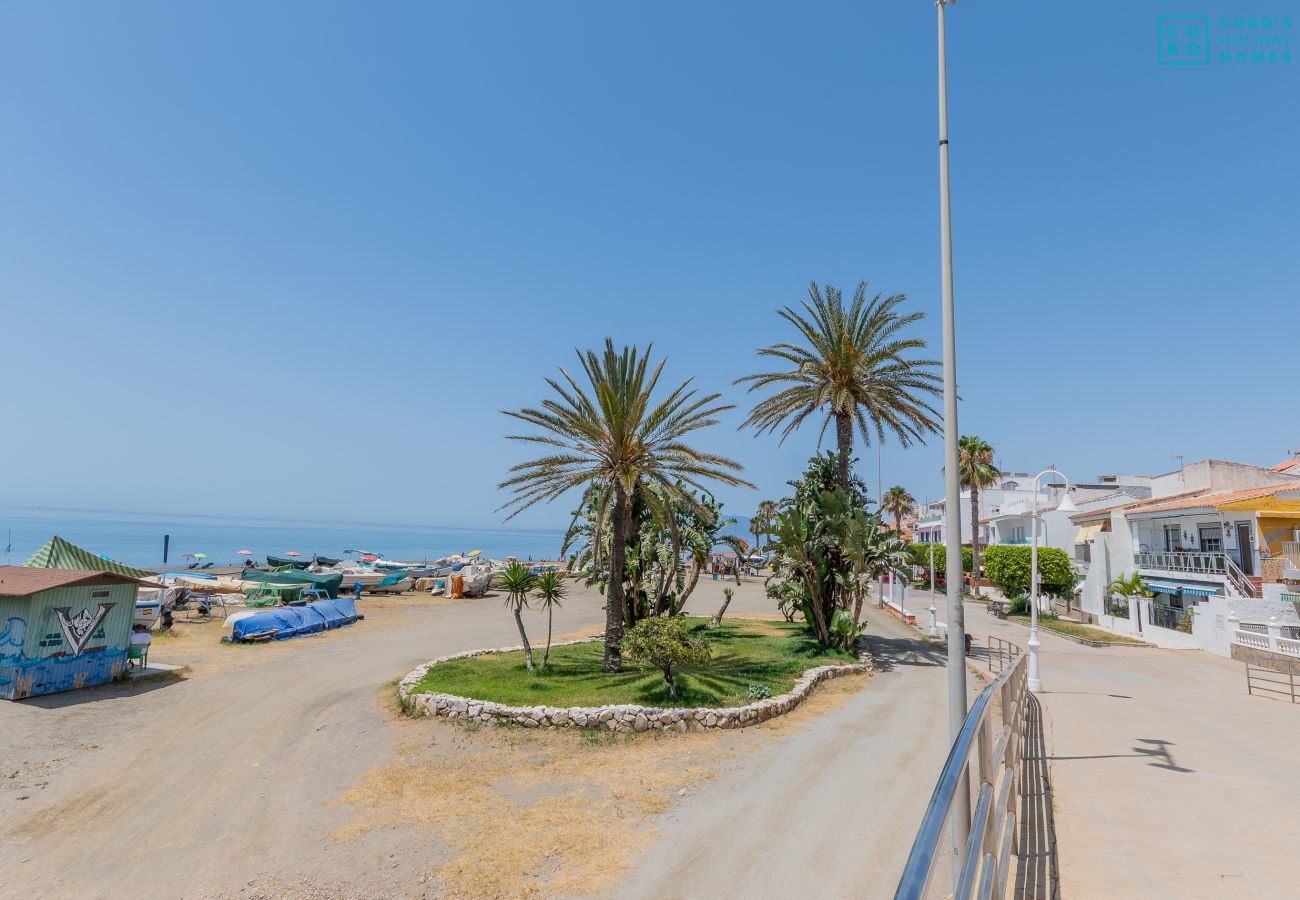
x: 550, y: 616
x: 844, y: 445
x: 975, y: 538
x: 614, y: 597
x: 717, y: 619
x: 690, y: 586
x: 528, y: 649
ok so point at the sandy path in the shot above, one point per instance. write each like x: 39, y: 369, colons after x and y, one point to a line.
x: 831, y: 812
x: 226, y: 784
x: 203, y: 786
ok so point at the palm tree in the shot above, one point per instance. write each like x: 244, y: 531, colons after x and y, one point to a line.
x: 975, y: 466
x: 613, y: 432
x: 898, y: 503
x: 550, y: 591
x: 1127, y: 586
x: 852, y: 367
x: 518, y: 581
x: 766, y: 513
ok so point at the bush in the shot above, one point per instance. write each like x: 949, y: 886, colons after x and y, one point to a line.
x: 758, y: 692
x: 919, y: 555
x: 1018, y: 606
x: 664, y: 642
x: 1008, y: 568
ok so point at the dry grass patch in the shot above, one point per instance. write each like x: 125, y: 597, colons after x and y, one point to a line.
x: 556, y: 812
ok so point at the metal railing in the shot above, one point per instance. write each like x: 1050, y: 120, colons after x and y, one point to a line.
x: 1001, y: 654
x: 1274, y: 677
x: 1165, y: 616
x: 1210, y: 563
x: 992, y: 748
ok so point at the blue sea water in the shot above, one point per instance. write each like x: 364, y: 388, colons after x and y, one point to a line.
x: 137, y: 539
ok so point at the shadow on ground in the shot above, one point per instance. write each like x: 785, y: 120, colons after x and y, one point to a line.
x: 890, y: 653
x: 1037, y: 874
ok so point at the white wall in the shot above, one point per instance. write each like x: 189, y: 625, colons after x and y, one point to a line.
x: 1219, y: 475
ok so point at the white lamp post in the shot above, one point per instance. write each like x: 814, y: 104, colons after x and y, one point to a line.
x: 1067, y: 506
x: 934, y: 619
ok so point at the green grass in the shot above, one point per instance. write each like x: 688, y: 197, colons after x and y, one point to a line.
x: 1074, y: 629
x: 745, y: 652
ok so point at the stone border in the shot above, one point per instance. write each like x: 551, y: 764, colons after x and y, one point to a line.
x: 621, y: 717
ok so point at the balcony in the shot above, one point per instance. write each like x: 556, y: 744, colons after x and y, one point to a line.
x: 1196, y: 563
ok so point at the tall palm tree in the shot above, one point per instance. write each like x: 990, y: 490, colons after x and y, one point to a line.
x: 615, y: 433
x: 975, y: 466
x: 852, y: 367
x: 898, y: 503
x: 766, y: 513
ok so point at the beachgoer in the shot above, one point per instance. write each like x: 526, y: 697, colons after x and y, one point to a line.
x: 138, y: 648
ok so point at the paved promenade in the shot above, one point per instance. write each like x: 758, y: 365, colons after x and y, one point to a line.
x: 1169, y: 781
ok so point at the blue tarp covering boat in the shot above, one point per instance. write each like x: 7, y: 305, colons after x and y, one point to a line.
x: 293, y: 621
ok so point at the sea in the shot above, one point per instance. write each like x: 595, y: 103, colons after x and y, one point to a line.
x: 137, y: 538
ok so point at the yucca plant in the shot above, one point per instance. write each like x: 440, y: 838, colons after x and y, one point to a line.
x: 550, y: 591
x: 517, y: 581
x: 612, y: 430
x: 852, y: 367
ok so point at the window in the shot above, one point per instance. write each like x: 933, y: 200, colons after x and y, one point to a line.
x: 1173, y: 537
x: 1010, y: 485
x: 1211, y: 538
x: 99, y: 595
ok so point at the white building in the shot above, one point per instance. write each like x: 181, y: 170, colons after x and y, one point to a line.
x: 1217, y: 544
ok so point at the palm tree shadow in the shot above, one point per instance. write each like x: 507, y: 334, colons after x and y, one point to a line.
x: 891, y: 653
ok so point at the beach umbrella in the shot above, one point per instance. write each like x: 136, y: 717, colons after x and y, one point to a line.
x: 293, y: 553
x: 473, y: 553
x: 200, y: 556
x: 244, y: 552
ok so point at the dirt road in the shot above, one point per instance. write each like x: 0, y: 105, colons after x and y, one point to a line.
x: 227, y: 784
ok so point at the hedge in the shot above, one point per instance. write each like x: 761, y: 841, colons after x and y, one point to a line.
x: 920, y: 556
x: 1008, y: 567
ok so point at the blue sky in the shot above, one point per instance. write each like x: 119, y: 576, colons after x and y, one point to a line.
x: 292, y: 259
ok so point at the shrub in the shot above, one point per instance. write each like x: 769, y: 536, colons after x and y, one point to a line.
x: 919, y: 555
x: 664, y: 642
x: 758, y: 692
x: 1008, y: 568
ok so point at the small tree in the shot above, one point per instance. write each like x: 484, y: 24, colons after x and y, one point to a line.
x: 717, y: 620
x: 550, y: 591
x: 1128, y: 586
x: 1009, y: 566
x: 664, y: 642
x: 518, y: 582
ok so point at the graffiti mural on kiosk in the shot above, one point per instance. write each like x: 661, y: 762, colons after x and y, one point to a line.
x: 79, y: 628
x: 29, y: 676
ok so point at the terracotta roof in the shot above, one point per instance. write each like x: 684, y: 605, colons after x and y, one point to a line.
x: 1286, y: 465
x: 1136, y: 505
x: 1166, y: 504
x: 22, y: 581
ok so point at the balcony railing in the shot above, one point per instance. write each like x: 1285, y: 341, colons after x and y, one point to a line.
x: 1265, y: 641
x: 1200, y: 563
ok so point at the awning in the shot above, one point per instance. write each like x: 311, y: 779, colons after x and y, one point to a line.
x: 929, y: 526
x: 1171, y: 588
x: 1087, y: 533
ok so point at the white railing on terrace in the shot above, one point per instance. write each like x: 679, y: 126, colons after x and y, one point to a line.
x: 1291, y: 550
x: 1252, y: 639
x: 1267, y: 641
x: 1199, y: 562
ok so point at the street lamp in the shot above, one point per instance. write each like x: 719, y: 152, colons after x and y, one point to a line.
x: 960, y: 815
x: 1067, y: 506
